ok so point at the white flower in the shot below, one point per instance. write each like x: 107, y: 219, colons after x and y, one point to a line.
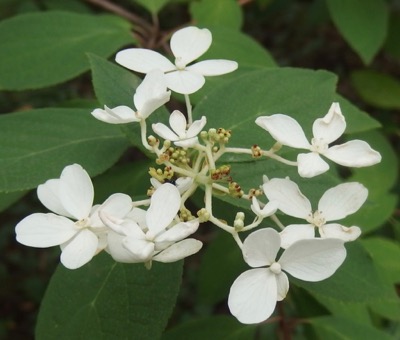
x: 254, y: 293
x: 149, y: 96
x: 268, y: 209
x: 187, y: 44
x: 335, y: 204
x: 71, y: 198
x: 180, y: 135
x: 287, y: 131
x: 153, y: 235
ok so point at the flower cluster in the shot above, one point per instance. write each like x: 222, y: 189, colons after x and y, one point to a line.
x: 129, y: 234
x: 158, y: 228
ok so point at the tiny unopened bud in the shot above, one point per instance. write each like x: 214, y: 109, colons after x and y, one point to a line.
x: 203, y: 215
x: 153, y: 141
x: 240, y: 216
x: 256, y: 151
x: 203, y: 135
x: 238, y: 225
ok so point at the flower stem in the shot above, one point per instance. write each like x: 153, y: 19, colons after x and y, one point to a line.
x: 143, y: 134
x: 189, y: 109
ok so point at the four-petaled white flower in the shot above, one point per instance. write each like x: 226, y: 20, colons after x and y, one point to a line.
x: 335, y: 204
x: 287, y: 131
x: 180, y: 134
x: 149, y: 96
x: 187, y: 45
x: 152, y: 235
x: 253, y: 295
x: 71, y: 198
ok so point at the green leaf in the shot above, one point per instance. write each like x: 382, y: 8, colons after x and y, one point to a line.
x: 38, y: 144
x: 363, y: 24
x: 153, y: 6
x: 376, y: 88
x: 392, y: 45
x: 131, y: 178
x: 386, y: 253
x: 7, y: 199
x: 356, y: 120
x: 379, y: 179
x: 70, y: 5
x: 233, y: 45
x: 109, y: 300
x: 116, y: 86
x: 358, y: 312
x: 358, y: 270
x: 335, y: 327
x: 221, y: 264
x: 216, y: 327
x: 46, y: 48
x: 237, y: 104
x: 226, y: 13
x: 389, y: 309
x: 112, y: 84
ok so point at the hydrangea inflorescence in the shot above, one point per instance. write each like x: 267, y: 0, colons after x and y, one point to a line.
x: 158, y: 228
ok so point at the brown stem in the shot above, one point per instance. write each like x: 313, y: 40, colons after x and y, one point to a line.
x: 143, y: 25
x: 244, y: 2
x: 283, y: 323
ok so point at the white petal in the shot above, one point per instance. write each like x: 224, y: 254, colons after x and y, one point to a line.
x: 296, y: 232
x: 355, y: 153
x: 332, y: 126
x: 196, y: 127
x: 282, y: 282
x: 80, y: 250
x: 311, y: 164
x: 125, y: 227
x: 285, y: 130
x: 183, y: 183
x: 184, y: 82
x: 151, y: 93
x: 117, y: 205
x: 253, y: 295
x: 164, y: 132
x: 288, y: 196
x: 141, y: 250
x: 189, y: 43
x: 187, y: 143
x: 76, y: 191
x: 343, y: 233
x: 342, y: 200
x: 179, y: 250
x: 94, y: 220
x: 177, y: 121
x: 261, y: 247
x: 139, y: 216
x: 178, y: 232
x: 164, y: 206
x: 118, y: 115
x: 269, y: 209
x: 143, y: 60
x: 102, y: 241
x: 117, y: 251
x: 213, y: 67
x: 44, y: 230
x: 313, y: 260
x: 49, y: 194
